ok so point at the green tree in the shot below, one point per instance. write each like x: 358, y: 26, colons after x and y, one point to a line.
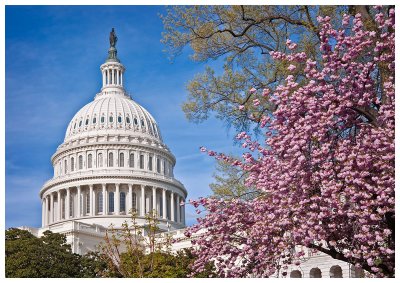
x: 47, y: 256
x: 242, y: 37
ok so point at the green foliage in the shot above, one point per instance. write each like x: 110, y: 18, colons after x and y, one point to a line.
x: 242, y: 37
x: 47, y: 256
x: 141, y: 251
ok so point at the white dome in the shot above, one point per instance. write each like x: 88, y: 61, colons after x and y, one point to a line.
x: 111, y: 112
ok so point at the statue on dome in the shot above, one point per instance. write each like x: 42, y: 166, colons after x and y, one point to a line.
x: 113, y: 38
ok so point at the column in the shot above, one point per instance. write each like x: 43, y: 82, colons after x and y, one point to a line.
x: 104, y: 199
x: 117, y: 77
x: 154, y: 199
x: 164, y: 203
x: 43, y: 212
x: 79, y: 202
x: 104, y: 77
x: 59, y: 214
x: 129, y: 204
x: 46, y: 218
x: 116, y: 200
x: 121, y: 78
x: 142, y: 202
x: 67, y: 204
x: 183, y: 213
x: 178, y: 209
x: 91, y: 200
x: 112, y: 77
x: 172, y: 207
x: 51, y: 208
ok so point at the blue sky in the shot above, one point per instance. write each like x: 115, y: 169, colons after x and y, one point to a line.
x: 53, y: 54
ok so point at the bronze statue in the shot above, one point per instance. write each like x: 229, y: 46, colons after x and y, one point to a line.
x: 113, y: 38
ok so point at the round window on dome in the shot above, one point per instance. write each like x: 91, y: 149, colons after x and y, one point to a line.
x: 111, y: 119
x: 128, y: 120
x: 102, y: 119
x: 119, y: 119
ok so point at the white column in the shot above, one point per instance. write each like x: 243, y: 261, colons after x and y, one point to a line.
x: 51, y: 208
x: 117, y: 77
x: 46, y: 218
x: 178, y: 209
x: 59, y: 205
x: 67, y: 204
x: 172, y: 207
x: 183, y: 213
x: 104, y: 199
x: 122, y: 80
x: 104, y: 77
x: 164, y: 203
x: 142, y: 202
x: 116, y: 200
x: 43, y: 212
x: 79, y: 202
x: 112, y: 77
x: 91, y: 200
x: 129, y: 206
x: 154, y: 199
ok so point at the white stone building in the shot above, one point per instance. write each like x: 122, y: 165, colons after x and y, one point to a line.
x: 113, y: 159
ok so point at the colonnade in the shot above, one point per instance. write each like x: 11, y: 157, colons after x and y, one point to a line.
x: 112, y: 76
x: 111, y: 199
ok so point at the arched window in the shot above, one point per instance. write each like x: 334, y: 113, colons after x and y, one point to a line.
x: 87, y: 122
x: 158, y: 165
x: 65, y: 167
x: 71, y: 206
x: 89, y: 161
x: 141, y: 161
x: 128, y: 121
x: 102, y: 119
x: 72, y: 164
x: 119, y: 119
x: 100, y: 160
x: 80, y: 158
x: 100, y: 202
x: 135, y: 121
x: 295, y: 274
x: 87, y: 203
x: 111, y: 119
x: 111, y: 201
x: 110, y: 159
x: 315, y: 273
x: 94, y: 120
x: 132, y: 160
x: 134, y: 201
x: 80, y: 123
x: 336, y: 272
x: 150, y: 163
x: 142, y: 122
x: 122, y: 202
x: 121, y: 160
x: 74, y: 125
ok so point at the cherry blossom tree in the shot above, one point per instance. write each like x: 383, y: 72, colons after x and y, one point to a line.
x: 326, y: 172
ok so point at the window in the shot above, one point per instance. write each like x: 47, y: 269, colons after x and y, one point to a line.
x: 94, y: 120
x: 111, y: 201
x: 111, y: 119
x: 135, y: 121
x: 128, y: 121
x: 100, y: 201
x: 80, y: 159
x: 119, y: 119
x: 141, y: 161
x: 121, y: 160
x: 71, y: 206
x: 122, y: 206
x: 131, y: 160
x: 80, y: 123
x: 165, y: 167
x: 75, y: 125
x: 89, y: 161
x: 100, y: 160
x: 72, y: 164
x: 63, y: 208
x: 102, y: 119
x: 110, y: 159
x: 158, y: 165
x: 142, y: 122
x: 134, y: 201
x: 151, y: 163
x: 87, y: 122
x: 87, y: 203
x: 65, y: 167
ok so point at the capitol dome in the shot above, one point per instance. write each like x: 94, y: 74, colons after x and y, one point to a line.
x: 112, y: 160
